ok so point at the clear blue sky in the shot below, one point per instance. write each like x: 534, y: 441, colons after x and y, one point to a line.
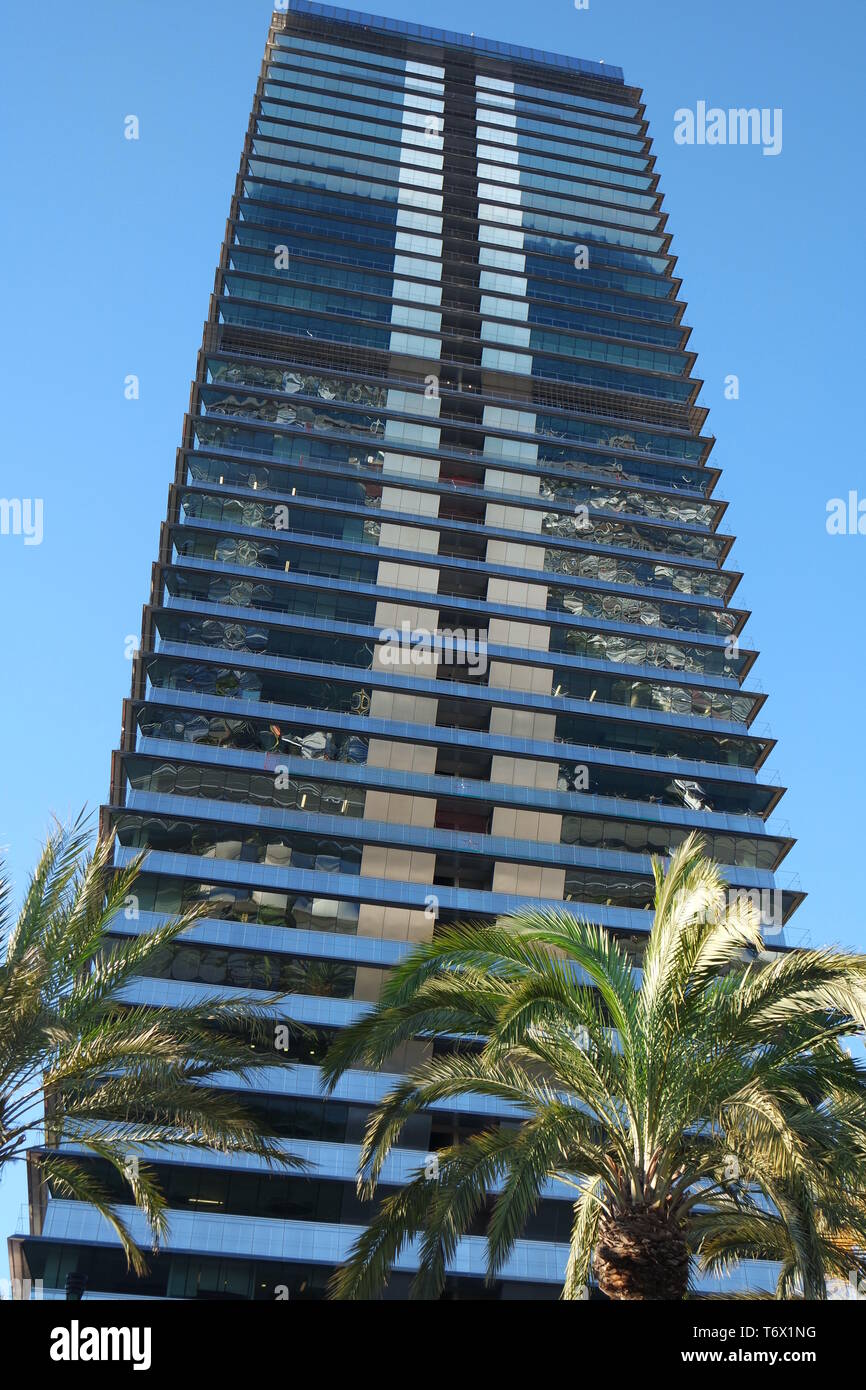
x: 110, y: 246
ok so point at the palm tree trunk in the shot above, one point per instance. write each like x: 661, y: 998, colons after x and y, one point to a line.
x: 640, y: 1255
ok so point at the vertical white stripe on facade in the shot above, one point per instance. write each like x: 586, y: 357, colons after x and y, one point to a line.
x: 500, y: 222
x: 505, y: 323
x: 415, y: 329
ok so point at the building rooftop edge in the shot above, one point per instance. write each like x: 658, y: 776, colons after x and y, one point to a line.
x: 587, y: 66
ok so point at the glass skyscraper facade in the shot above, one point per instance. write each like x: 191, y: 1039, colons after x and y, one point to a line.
x: 442, y: 621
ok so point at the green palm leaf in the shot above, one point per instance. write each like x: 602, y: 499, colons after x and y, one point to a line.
x: 100, y: 1076
x: 703, y: 1109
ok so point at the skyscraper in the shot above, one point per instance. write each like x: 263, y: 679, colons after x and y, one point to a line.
x: 441, y: 621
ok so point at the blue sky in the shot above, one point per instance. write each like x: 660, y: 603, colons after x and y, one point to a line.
x: 110, y: 247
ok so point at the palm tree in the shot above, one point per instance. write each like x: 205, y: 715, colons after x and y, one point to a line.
x: 700, y: 1107
x: 91, y: 1071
